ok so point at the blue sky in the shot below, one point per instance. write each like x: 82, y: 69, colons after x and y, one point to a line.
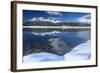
x: 52, y: 15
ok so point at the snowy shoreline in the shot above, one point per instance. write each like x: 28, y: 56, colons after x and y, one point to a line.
x: 80, y: 52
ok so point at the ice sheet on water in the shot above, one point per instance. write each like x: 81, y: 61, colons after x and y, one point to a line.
x: 80, y: 52
x: 42, y: 57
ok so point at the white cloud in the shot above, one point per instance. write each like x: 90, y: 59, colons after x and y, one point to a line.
x: 53, y: 20
x: 86, y: 19
x: 54, y: 13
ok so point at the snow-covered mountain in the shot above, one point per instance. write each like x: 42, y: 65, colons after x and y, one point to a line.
x: 53, y: 20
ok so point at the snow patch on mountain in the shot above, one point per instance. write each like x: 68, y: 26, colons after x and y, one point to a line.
x: 53, y: 20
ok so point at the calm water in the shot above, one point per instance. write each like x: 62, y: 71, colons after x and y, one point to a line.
x: 58, y: 43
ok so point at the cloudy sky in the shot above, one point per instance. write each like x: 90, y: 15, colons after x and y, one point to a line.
x: 54, y: 16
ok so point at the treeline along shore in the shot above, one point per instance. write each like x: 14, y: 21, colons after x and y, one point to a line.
x: 47, y: 23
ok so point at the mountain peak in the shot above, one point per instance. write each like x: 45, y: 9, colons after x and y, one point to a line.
x: 53, y: 20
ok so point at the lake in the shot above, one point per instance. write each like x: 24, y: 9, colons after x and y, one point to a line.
x: 56, y: 42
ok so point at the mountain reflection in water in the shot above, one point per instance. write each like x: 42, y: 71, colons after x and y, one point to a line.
x: 53, y: 42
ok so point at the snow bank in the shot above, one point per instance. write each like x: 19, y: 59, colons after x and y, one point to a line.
x: 42, y: 57
x: 80, y: 52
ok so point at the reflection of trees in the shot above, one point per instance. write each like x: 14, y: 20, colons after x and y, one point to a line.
x: 51, y: 30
